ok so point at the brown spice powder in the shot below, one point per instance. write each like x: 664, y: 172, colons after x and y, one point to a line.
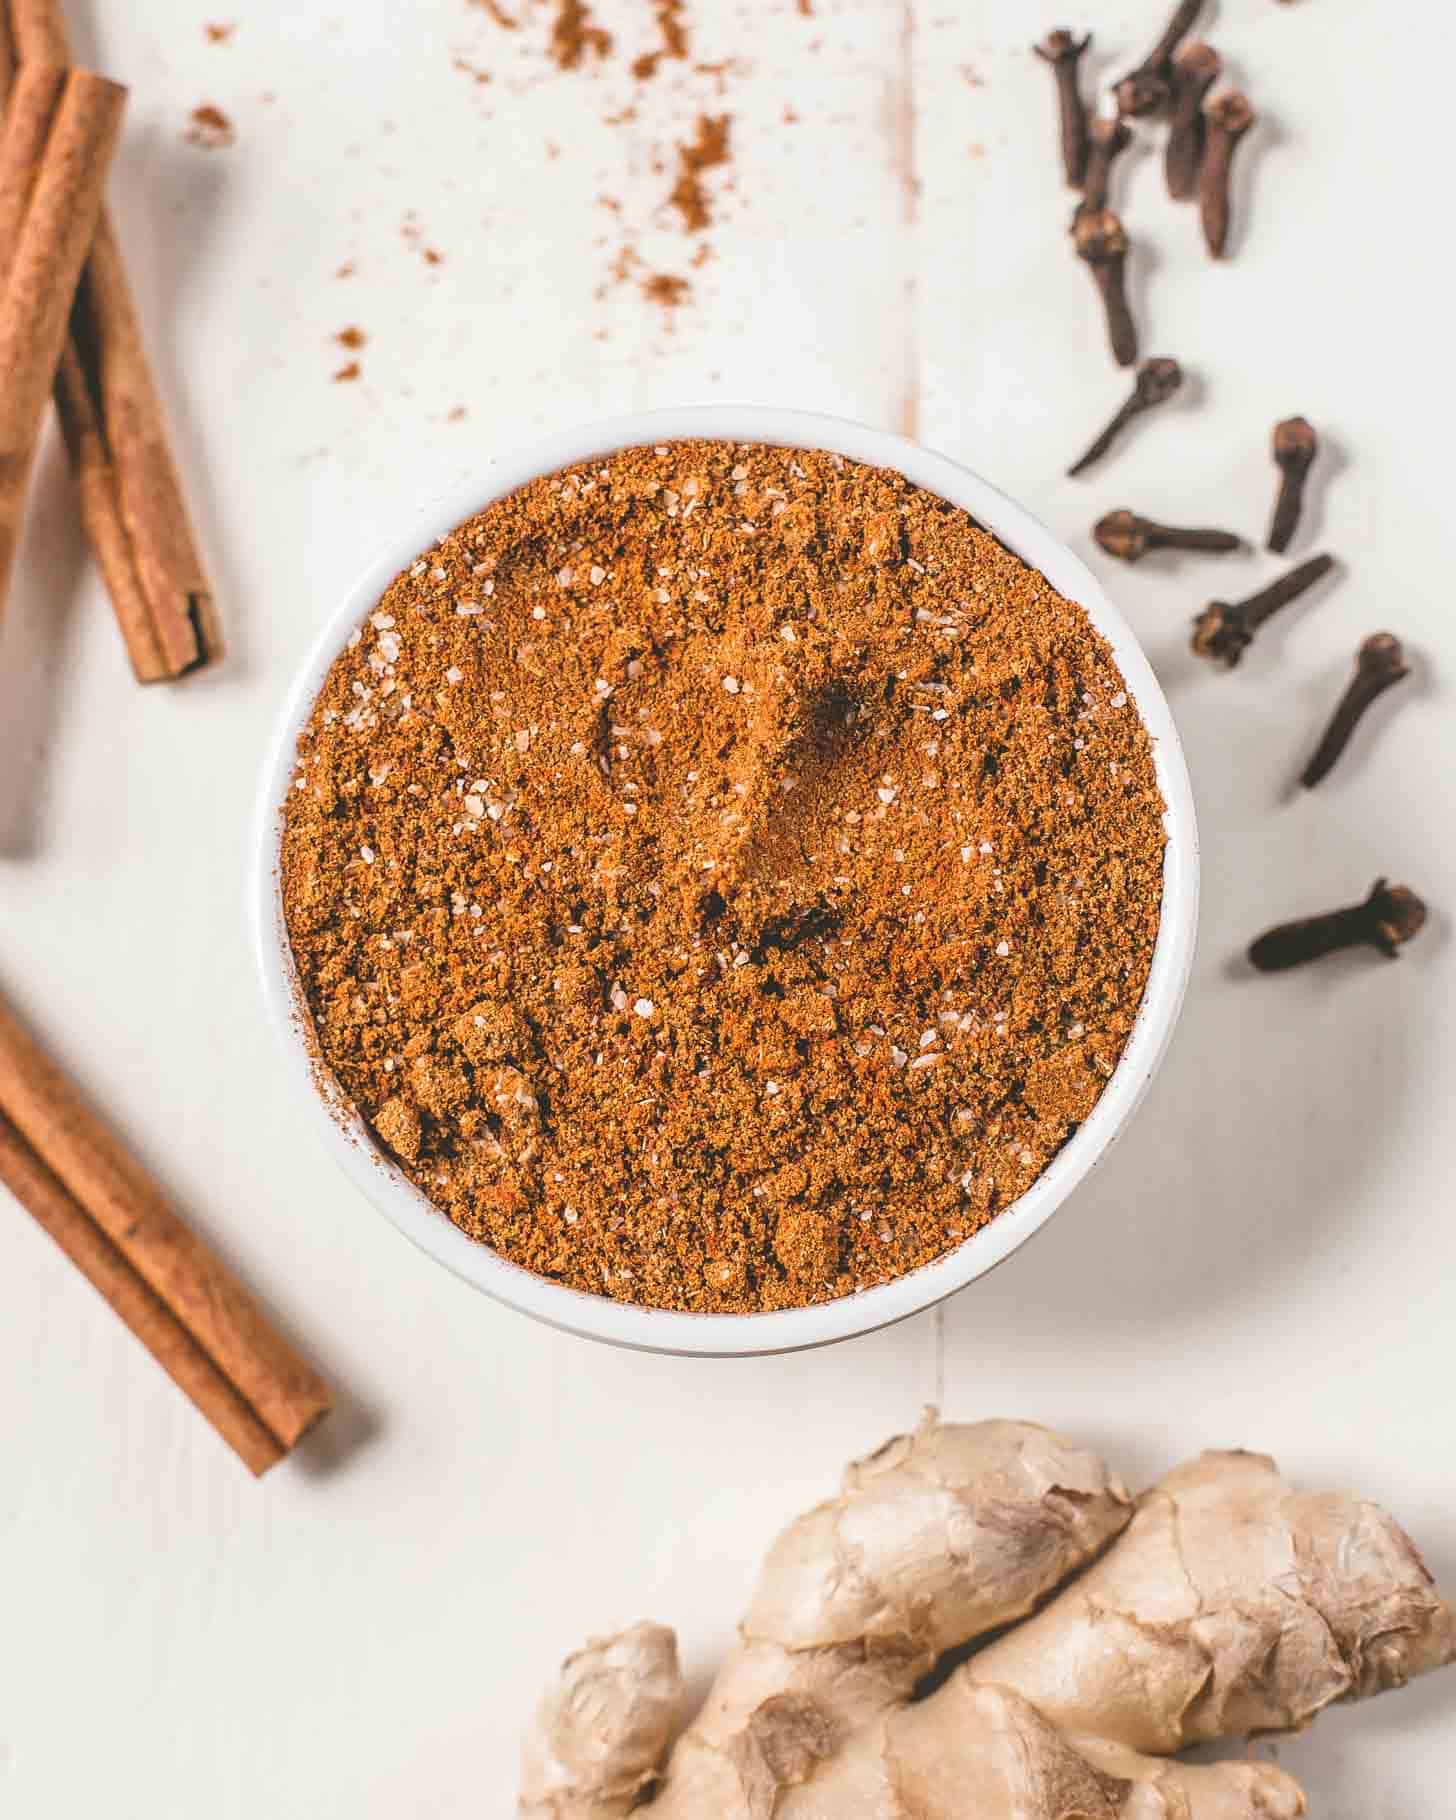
x: 707, y: 150
x: 723, y: 876
x: 674, y: 33
x: 574, y: 34
x: 666, y: 288
x: 210, y: 128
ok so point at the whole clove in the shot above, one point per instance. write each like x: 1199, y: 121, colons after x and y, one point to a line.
x: 1101, y: 243
x: 1226, y: 118
x: 1130, y: 538
x: 1386, y: 921
x: 1107, y: 136
x: 1157, y: 380
x: 1195, y: 70
x: 1295, y: 447
x: 1063, y: 51
x: 1379, y: 665
x: 1224, y: 630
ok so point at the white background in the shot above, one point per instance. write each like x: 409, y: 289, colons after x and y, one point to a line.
x: 1268, y: 1260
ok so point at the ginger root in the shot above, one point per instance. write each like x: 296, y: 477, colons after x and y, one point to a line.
x: 601, y: 1732
x: 1225, y: 1604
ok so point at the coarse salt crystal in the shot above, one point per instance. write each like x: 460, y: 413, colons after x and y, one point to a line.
x: 367, y: 855
x: 731, y: 684
x: 644, y: 1007
x: 452, y: 675
x: 598, y: 575
x: 1003, y: 949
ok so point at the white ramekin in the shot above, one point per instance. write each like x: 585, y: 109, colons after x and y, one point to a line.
x: 787, y: 1330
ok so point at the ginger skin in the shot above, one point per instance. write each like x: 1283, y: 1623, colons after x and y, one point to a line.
x: 1229, y: 1604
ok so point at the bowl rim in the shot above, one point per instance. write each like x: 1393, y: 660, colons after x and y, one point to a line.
x: 783, y: 1330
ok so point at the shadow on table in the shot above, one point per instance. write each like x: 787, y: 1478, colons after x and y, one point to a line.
x: 350, y: 1426
x: 1279, y: 1097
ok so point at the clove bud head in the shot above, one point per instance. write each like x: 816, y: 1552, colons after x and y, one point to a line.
x: 1100, y: 238
x: 1295, y: 444
x: 1231, y: 114
x: 1198, y: 65
x: 1157, y: 380
x: 1396, y: 914
x: 1381, y: 659
x: 1221, y: 632
x: 1123, y: 535
x: 1062, y: 47
x: 1143, y: 93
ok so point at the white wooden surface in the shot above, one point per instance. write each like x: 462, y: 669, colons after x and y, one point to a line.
x: 1270, y: 1257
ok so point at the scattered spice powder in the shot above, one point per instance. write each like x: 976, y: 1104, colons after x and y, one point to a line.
x: 210, y: 128
x: 673, y: 30
x: 722, y: 876
x: 475, y: 73
x: 703, y: 153
x: 351, y: 338
x: 667, y: 289
x: 218, y: 34
x: 350, y: 370
x: 574, y: 34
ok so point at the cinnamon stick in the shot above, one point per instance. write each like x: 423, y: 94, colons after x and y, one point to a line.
x: 149, y: 1318
x: 38, y: 32
x: 132, y: 504
x: 96, y: 1178
x: 59, y: 133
